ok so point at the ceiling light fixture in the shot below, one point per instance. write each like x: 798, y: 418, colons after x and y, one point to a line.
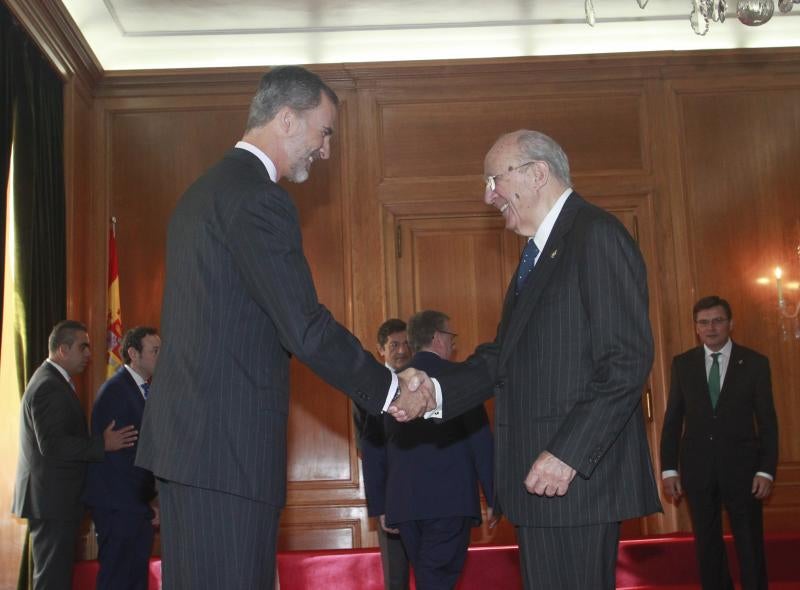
x: 749, y: 12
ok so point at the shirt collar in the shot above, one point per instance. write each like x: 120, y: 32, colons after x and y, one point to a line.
x: 725, y: 350
x: 61, y: 370
x: 265, y: 159
x: 549, y: 221
x: 136, y: 376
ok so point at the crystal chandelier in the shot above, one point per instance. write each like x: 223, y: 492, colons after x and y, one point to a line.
x: 749, y: 12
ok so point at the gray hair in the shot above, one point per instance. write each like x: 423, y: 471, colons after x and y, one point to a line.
x: 290, y: 86
x: 422, y: 327
x: 534, y: 145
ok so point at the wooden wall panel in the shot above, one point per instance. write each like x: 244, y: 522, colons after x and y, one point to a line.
x: 692, y: 155
x: 602, y: 133
x: 740, y: 149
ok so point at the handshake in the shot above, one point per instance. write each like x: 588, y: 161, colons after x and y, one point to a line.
x: 416, y: 395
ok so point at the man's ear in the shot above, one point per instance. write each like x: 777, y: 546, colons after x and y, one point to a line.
x: 287, y: 120
x: 541, y: 173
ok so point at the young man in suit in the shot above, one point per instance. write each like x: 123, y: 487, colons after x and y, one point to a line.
x: 239, y: 301
x: 121, y: 495
x: 393, y: 349
x: 719, y: 445
x: 567, y: 368
x: 430, y: 471
x: 55, y: 447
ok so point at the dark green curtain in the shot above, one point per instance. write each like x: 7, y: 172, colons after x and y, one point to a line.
x: 33, y: 115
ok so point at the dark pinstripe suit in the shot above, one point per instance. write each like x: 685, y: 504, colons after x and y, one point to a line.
x: 568, y: 365
x: 238, y: 300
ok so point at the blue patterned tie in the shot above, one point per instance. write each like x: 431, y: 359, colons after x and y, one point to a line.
x: 529, y: 254
x: 145, y: 389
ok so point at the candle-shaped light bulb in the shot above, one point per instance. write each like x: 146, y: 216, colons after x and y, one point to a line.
x: 778, y: 275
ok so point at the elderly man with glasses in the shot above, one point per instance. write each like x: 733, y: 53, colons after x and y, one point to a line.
x: 567, y: 369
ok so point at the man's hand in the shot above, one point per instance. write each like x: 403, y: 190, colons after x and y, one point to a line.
x: 762, y: 486
x: 382, y: 520
x: 549, y: 476
x: 417, y: 396
x: 156, y: 508
x: 114, y: 440
x: 491, y: 518
x: 672, y: 487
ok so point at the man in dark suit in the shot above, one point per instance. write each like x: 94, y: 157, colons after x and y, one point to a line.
x: 721, y: 431
x: 430, y: 471
x: 567, y: 367
x: 55, y: 447
x: 119, y: 493
x: 238, y: 302
x: 371, y: 441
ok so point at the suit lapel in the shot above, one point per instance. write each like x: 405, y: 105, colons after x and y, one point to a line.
x: 698, y: 380
x: 736, y: 366
x: 551, y: 256
x: 66, y: 387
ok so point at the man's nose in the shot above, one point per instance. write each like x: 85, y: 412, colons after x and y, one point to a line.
x: 325, y: 150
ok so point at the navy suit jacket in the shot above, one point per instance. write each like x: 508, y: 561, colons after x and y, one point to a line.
x: 116, y: 482
x: 430, y: 469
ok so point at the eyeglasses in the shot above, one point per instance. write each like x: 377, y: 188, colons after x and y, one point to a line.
x: 712, y: 322
x: 453, y: 334
x: 491, y: 181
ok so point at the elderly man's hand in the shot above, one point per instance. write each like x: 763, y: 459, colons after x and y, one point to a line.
x: 417, y: 396
x: 549, y: 476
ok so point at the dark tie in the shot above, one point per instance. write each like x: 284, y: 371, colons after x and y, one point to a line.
x: 529, y: 254
x: 145, y: 389
x: 713, y: 379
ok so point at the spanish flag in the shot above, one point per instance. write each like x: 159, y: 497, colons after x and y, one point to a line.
x: 114, y: 335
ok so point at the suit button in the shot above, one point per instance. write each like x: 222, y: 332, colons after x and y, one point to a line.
x: 710, y: 437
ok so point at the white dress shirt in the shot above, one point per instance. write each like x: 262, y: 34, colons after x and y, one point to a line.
x: 140, y: 381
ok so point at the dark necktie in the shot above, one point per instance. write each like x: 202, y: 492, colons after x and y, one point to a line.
x: 145, y: 389
x: 529, y: 254
x: 713, y: 379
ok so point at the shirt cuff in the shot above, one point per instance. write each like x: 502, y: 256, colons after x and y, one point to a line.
x: 392, y: 392
x: 766, y: 475
x: 669, y: 473
x: 437, y: 411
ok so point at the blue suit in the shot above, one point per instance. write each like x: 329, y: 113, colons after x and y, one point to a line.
x: 119, y: 493
x: 425, y: 479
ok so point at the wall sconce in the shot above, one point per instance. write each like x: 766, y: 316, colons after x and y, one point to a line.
x: 788, y: 310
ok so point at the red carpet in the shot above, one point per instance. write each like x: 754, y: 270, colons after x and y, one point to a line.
x: 662, y: 563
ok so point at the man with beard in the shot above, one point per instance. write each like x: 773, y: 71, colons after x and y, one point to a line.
x: 238, y: 301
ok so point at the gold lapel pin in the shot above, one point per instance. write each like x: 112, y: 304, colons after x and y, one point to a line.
x: 553, y: 253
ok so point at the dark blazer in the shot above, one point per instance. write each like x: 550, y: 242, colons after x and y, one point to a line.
x: 428, y: 469
x: 731, y: 443
x: 238, y: 301
x: 116, y: 483
x: 371, y: 443
x: 568, y: 366
x: 55, y: 447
